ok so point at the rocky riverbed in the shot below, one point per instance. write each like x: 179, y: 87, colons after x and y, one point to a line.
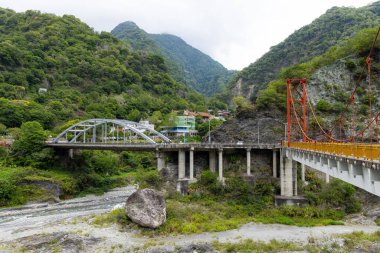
x: 65, y: 227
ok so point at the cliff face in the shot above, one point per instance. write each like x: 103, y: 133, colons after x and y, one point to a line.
x: 248, y: 125
x: 328, y: 89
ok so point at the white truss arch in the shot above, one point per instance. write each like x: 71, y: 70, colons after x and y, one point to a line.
x: 110, y: 131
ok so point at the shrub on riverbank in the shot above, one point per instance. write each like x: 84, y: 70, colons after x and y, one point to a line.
x: 90, y: 172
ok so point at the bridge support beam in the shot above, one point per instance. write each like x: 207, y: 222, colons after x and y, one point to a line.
x: 212, y: 160
x: 287, y: 179
x: 161, y: 160
x: 71, y: 153
x: 248, y: 161
x: 181, y: 164
x: 220, y: 165
x: 191, y: 163
x: 303, y: 172
x: 274, y: 164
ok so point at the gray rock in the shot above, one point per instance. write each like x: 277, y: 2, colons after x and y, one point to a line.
x: 199, y: 248
x: 57, y: 241
x: 191, y: 248
x: 147, y: 208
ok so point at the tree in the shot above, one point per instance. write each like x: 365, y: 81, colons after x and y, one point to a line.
x: 3, y: 128
x: 29, y: 148
x: 204, y: 127
x: 242, y: 104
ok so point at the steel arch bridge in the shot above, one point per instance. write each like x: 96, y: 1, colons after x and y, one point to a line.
x: 110, y: 131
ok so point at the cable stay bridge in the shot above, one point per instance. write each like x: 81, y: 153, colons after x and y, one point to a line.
x: 349, y: 150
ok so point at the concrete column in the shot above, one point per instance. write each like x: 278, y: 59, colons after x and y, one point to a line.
x: 294, y: 178
x: 212, y: 160
x: 274, y: 163
x: 327, y: 175
x: 71, y: 153
x: 327, y: 179
x: 248, y: 161
x: 161, y: 163
x: 220, y: 164
x: 181, y: 164
x: 287, y: 178
x: 303, y: 172
x: 191, y: 163
x: 282, y: 170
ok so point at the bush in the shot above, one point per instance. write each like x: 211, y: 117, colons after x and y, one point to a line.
x: 323, y: 106
x: 209, y: 182
x: 338, y: 194
x: 350, y: 65
x: 149, y: 179
x: 6, y: 191
x: 103, y: 162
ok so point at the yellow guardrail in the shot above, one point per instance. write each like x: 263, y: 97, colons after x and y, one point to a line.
x: 357, y: 150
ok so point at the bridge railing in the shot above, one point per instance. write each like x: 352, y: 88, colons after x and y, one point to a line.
x: 357, y: 150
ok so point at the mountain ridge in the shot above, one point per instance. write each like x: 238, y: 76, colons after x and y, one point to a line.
x: 330, y: 29
x: 186, y: 63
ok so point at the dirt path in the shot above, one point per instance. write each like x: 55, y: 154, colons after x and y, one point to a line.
x: 39, y: 225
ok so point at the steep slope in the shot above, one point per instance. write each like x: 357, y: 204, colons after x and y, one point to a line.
x: 86, y: 74
x: 186, y: 64
x: 331, y: 79
x: 331, y: 29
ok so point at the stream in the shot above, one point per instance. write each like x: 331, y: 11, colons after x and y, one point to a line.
x: 41, y: 224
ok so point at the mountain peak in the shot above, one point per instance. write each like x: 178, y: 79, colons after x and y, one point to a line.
x: 186, y: 63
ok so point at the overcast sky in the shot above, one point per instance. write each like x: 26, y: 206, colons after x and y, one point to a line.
x: 233, y: 32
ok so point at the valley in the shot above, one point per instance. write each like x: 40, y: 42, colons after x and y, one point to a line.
x: 281, y: 156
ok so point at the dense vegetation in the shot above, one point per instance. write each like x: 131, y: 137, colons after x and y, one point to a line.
x: 186, y: 64
x: 352, y: 54
x: 86, y: 74
x: 28, y: 164
x: 331, y: 29
x: 211, y: 206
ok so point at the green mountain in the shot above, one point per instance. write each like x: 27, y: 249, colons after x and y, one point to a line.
x: 186, y: 64
x: 85, y: 74
x: 331, y: 78
x: 331, y: 29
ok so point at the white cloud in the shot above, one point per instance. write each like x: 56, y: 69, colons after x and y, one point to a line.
x: 234, y: 33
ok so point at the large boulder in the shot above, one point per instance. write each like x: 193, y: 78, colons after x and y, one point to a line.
x: 147, y: 208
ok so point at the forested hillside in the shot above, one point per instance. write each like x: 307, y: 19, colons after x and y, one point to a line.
x: 86, y: 74
x: 186, y: 64
x: 331, y: 29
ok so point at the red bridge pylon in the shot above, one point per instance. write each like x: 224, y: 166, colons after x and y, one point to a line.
x: 296, y: 109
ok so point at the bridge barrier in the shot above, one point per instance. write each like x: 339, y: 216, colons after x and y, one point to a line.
x: 358, y: 150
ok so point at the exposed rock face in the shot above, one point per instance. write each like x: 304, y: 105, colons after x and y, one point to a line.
x: 247, y: 125
x: 147, y: 208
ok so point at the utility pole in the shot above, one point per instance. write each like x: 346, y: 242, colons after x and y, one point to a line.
x: 258, y: 131
x: 209, y: 129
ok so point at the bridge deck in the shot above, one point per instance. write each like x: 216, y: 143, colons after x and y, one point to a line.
x: 163, y: 146
x: 361, y: 151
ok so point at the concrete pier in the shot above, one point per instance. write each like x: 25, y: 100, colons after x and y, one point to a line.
x: 191, y: 163
x: 248, y: 161
x: 274, y: 164
x: 220, y: 165
x: 212, y: 160
x: 303, y: 172
x: 287, y: 178
x: 161, y: 160
x: 181, y: 164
